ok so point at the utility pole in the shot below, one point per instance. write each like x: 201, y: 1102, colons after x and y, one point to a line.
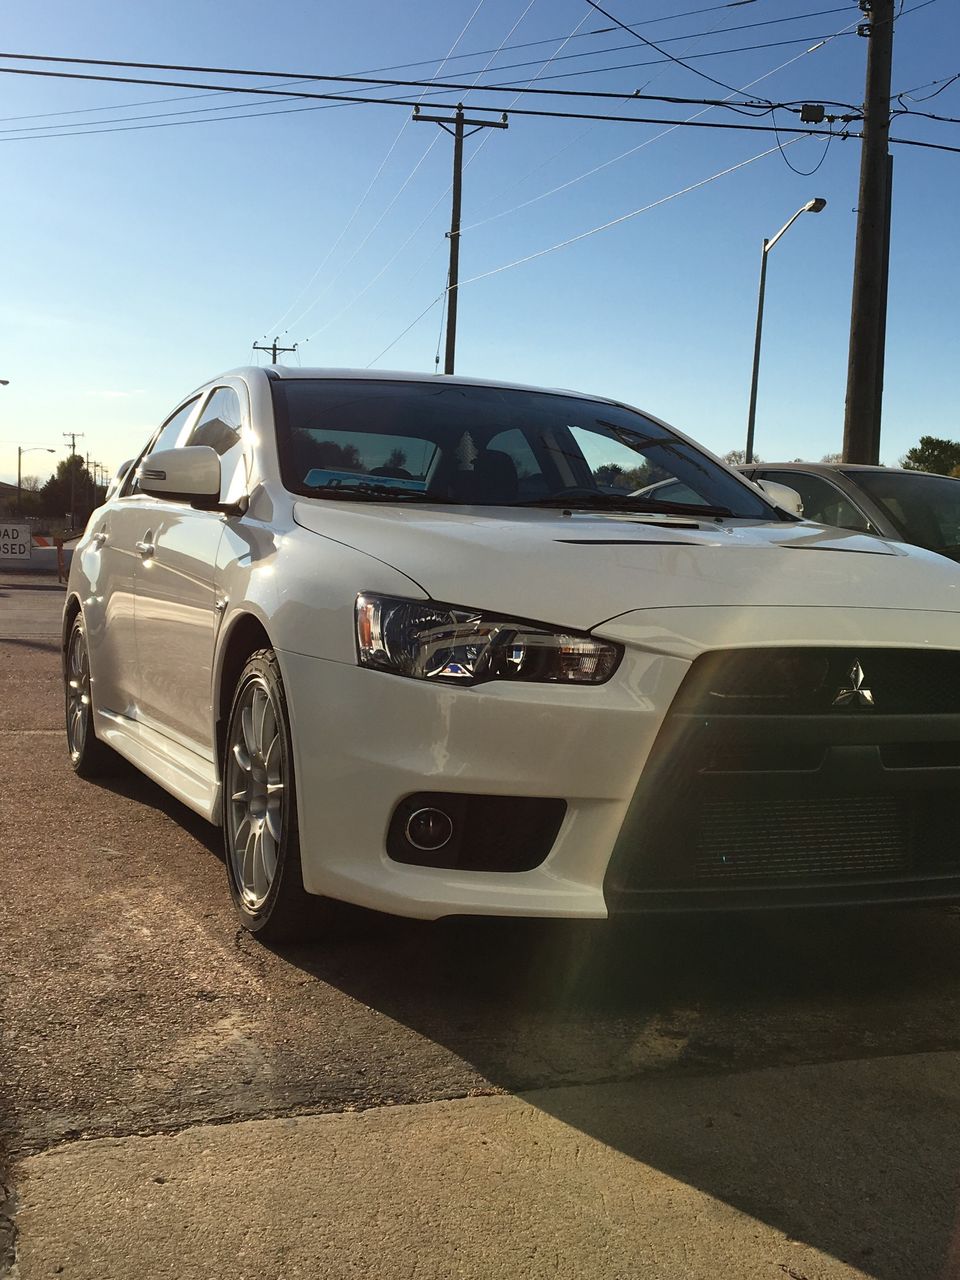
x: 73, y: 437
x: 868, y: 310
x: 457, y: 132
x: 274, y: 349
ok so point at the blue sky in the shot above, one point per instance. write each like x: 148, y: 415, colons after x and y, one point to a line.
x: 138, y: 263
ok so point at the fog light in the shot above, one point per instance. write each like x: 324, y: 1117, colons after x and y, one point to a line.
x: 429, y: 829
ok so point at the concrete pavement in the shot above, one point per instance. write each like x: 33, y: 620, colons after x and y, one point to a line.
x: 822, y: 1172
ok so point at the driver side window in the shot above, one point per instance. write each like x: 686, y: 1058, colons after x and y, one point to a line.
x: 168, y: 437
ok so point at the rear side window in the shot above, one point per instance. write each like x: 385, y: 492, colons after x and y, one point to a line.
x: 220, y: 427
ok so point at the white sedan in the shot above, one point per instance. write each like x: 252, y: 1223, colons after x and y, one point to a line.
x: 419, y: 643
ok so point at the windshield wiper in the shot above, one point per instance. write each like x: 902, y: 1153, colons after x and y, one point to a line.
x: 611, y: 502
x: 372, y: 493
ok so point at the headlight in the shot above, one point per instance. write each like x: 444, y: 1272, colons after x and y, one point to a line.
x: 431, y: 641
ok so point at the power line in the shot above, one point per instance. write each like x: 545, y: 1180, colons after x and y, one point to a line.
x: 369, y: 285
x: 625, y: 217
x: 648, y: 141
x: 392, y: 344
x: 389, y: 102
x: 680, y: 63
x: 350, y: 221
x: 375, y: 82
x: 429, y: 148
x: 477, y: 53
x: 563, y: 244
x: 349, y: 97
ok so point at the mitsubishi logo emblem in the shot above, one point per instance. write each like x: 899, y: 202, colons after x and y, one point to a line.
x: 854, y: 692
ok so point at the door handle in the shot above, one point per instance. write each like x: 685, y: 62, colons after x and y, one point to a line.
x: 99, y: 538
x: 145, y: 547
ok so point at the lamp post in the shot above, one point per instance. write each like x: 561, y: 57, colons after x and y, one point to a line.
x: 39, y: 448
x: 812, y: 206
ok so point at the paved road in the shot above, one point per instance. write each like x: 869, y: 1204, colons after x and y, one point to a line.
x: 130, y: 1004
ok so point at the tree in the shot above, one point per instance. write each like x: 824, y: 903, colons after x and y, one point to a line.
x: 831, y: 459
x: 932, y: 454
x: 738, y: 458
x: 71, y: 482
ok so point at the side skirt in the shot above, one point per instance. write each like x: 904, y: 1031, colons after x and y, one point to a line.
x: 186, y: 775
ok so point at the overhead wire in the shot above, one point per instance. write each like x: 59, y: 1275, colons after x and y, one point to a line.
x: 647, y: 141
x: 563, y: 244
x: 679, y: 61
x: 438, y: 84
x: 395, y: 101
x: 443, y: 195
x: 624, y: 217
x: 360, y: 203
x: 476, y: 53
x: 432, y: 144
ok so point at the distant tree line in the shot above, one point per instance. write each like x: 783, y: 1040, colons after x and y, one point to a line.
x: 70, y: 482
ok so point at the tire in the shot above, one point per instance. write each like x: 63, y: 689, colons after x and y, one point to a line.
x: 89, y: 757
x: 260, y: 830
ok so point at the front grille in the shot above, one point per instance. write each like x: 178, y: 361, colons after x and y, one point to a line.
x: 759, y: 790
x: 774, y: 841
x: 809, y: 681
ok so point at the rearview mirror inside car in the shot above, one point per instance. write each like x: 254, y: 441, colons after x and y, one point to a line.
x: 191, y: 474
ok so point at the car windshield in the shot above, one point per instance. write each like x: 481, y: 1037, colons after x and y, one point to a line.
x: 925, y: 508
x: 489, y: 446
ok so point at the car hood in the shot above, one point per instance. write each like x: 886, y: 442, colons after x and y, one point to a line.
x: 580, y: 570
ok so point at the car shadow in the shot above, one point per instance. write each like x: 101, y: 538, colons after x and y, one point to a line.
x: 685, y: 1018
x: 692, y: 1010
x: 127, y: 781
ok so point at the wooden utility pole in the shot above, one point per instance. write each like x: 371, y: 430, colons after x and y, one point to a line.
x: 868, y: 311
x: 73, y: 437
x: 458, y: 122
x: 274, y: 349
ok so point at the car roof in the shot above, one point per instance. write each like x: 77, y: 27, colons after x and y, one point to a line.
x: 284, y: 372
x: 827, y: 467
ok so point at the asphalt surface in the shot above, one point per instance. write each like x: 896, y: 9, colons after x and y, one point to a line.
x: 131, y: 1004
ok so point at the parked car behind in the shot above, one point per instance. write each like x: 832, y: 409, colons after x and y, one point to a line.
x: 398, y: 637
x: 909, y: 506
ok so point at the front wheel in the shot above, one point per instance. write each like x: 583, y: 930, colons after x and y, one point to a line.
x: 261, y: 835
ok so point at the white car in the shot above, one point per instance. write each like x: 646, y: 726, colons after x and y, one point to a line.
x: 418, y: 644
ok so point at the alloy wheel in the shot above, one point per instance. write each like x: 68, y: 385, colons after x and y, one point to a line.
x: 255, y: 793
x: 78, y: 694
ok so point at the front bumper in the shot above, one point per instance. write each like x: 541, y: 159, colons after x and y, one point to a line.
x: 632, y: 772
x: 364, y: 740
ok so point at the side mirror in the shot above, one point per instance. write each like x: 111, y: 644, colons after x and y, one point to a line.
x: 189, y: 475
x: 781, y: 495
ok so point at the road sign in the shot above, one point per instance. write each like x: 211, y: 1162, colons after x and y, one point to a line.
x: 15, y: 542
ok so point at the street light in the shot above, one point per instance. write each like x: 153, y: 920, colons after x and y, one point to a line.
x: 812, y: 206
x: 34, y: 448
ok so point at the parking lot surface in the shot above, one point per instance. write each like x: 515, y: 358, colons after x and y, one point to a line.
x: 475, y: 1097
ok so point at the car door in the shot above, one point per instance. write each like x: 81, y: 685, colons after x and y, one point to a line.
x: 111, y: 561
x: 177, y: 611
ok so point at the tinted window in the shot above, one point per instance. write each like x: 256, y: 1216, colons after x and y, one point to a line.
x: 925, y: 508
x: 486, y: 446
x: 219, y: 426
x: 168, y: 437
x: 822, y: 501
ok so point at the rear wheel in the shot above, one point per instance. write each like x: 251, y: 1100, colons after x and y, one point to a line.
x: 260, y: 828
x: 89, y: 756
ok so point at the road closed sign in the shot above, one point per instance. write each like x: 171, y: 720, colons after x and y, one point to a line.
x: 15, y: 541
